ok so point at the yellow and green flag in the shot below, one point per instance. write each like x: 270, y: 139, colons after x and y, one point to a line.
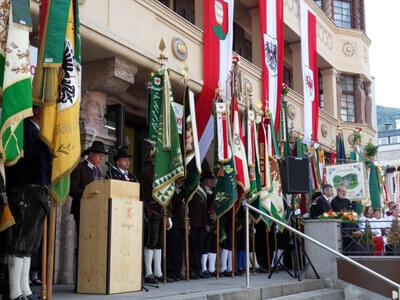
x: 57, y: 87
x: 15, y: 77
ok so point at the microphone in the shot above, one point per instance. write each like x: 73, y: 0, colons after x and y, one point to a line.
x: 114, y: 168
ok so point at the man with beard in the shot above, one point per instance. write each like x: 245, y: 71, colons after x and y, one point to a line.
x: 340, y: 202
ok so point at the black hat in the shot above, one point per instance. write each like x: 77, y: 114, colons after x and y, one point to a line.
x: 97, y: 146
x: 207, y: 175
x: 121, y: 154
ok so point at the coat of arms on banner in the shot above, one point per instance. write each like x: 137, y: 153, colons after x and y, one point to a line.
x: 221, y: 17
x: 309, y: 83
x: 271, y: 54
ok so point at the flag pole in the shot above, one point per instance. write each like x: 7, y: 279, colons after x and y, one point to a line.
x: 218, y: 252
x: 43, y: 291
x: 253, y: 246
x: 187, y: 245
x: 50, y: 257
x: 164, y: 254
x: 233, y: 240
x: 268, y: 249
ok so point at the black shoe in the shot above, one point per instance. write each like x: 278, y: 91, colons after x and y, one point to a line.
x: 151, y: 280
x: 36, y: 282
x: 212, y: 274
x: 194, y: 276
x: 204, y: 275
x: 22, y: 297
x: 261, y: 270
x: 227, y: 274
x: 171, y: 279
x: 180, y: 277
x: 240, y: 272
x: 33, y: 297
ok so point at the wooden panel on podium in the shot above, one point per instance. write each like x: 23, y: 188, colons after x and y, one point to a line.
x: 110, y: 239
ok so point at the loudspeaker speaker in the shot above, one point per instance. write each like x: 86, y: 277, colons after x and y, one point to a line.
x: 295, y: 175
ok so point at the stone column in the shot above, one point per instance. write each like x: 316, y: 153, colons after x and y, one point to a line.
x: 327, y: 232
x: 359, y: 101
x: 327, y: 7
x: 330, y: 91
x: 339, y: 96
x: 255, y: 33
x: 368, y: 103
x: 101, y: 80
x: 296, y: 67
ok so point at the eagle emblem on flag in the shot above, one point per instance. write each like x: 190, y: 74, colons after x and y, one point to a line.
x: 271, y: 54
x: 309, y: 82
x: 221, y: 18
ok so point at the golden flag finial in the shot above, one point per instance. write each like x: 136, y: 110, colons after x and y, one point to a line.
x: 162, y: 57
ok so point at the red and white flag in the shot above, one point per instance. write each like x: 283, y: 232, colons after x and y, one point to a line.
x: 272, y: 52
x: 239, y: 153
x: 310, y: 73
x: 217, y: 62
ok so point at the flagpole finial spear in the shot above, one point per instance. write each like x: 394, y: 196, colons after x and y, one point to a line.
x: 162, y: 57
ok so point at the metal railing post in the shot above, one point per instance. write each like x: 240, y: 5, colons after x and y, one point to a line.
x: 247, y: 248
x: 349, y: 260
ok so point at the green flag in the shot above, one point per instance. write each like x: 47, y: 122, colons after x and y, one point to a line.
x: 373, y: 185
x: 15, y: 79
x: 168, y: 163
x: 155, y: 105
x: 224, y: 168
x: 191, y: 147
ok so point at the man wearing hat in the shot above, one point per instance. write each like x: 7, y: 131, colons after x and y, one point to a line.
x: 120, y: 172
x: 86, y: 172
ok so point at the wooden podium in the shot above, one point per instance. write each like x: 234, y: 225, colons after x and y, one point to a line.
x: 110, y: 238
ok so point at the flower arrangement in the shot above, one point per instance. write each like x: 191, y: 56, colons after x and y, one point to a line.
x: 285, y: 89
x: 351, y: 216
x: 357, y: 136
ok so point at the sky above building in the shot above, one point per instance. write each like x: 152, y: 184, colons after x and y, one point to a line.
x: 382, y: 25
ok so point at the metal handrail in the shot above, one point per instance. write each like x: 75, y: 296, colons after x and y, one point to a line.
x: 395, y: 294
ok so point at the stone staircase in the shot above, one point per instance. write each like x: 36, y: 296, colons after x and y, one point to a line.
x: 304, y: 290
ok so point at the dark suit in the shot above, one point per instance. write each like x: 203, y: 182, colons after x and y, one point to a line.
x: 339, y: 204
x: 28, y: 194
x: 198, y: 214
x: 176, y: 235
x: 80, y: 178
x: 114, y: 174
x: 320, y: 206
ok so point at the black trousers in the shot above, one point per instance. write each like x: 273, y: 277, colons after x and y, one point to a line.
x: 196, y: 246
x: 154, y: 232
x: 175, y: 250
x: 29, y: 206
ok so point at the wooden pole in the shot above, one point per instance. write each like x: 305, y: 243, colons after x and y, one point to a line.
x: 50, y: 258
x: 268, y: 249
x: 43, y: 292
x: 276, y: 257
x: 218, y: 258
x: 187, y: 247
x: 165, y: 218
x: 253, y: 246
x: 233, y: 241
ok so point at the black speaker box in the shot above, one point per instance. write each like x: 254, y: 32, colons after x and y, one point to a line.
x: 295, y: 175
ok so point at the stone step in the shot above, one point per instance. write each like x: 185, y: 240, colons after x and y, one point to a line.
x: 292, y: 287
x: 321, y: 294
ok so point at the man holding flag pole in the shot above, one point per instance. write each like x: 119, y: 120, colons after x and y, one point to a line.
x: 57, y: 87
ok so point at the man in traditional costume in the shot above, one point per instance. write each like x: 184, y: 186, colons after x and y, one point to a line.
x: 28, y: 197
x: 120, y: 171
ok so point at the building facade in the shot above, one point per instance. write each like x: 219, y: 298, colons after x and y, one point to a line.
x: 120, y: 48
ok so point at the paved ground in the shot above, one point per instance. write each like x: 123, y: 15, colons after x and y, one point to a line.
x: 183, y: 289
